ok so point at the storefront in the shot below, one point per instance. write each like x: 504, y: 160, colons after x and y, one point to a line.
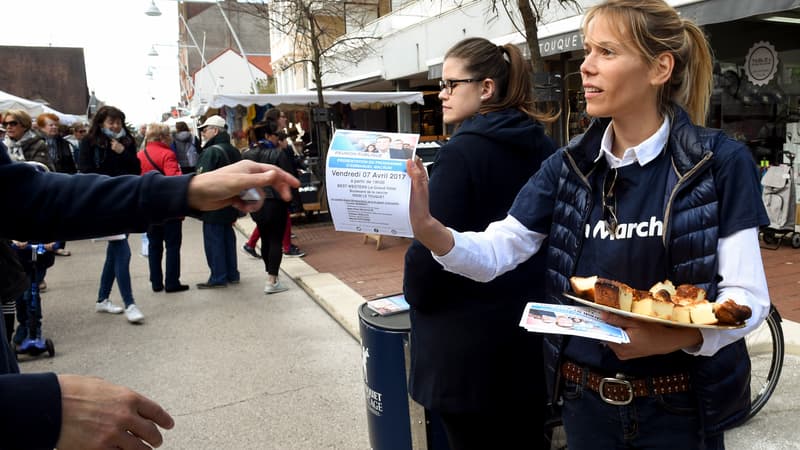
x: 756, y: 73
x: 757, y: 82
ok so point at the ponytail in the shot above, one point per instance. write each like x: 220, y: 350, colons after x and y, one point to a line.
x: 510, y: 72
x: 698, y: 81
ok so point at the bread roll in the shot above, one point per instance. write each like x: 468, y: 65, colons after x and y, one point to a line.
x: 583, y: 286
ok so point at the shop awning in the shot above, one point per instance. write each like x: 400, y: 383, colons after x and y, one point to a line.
x: 355, y: 99
x: 718, y: 11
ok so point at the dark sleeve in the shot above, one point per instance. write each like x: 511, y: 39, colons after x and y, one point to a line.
x: 450, y: 196
x: 738, y: 185
x: 86, y: 157
x: 39, y: 153
x: 66, y: 161
x: 131, y: 163
x: 85, y: 205
x: 285, y: 163
x: 30, y: 417
x: 534, y: 204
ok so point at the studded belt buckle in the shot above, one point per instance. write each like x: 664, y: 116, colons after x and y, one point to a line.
x: 618, y: 381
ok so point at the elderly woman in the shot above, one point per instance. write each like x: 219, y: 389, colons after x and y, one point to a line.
x: 158, y: 156
x: 57, y: 147
x: 23, y: 143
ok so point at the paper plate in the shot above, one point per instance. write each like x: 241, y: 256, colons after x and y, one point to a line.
x: 645, y: 318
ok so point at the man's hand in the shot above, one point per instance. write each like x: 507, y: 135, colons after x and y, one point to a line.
x: 648, y: 338
x: 219, y: 188
x: 99, y: 415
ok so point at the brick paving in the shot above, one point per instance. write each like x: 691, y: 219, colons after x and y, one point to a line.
x: 370, y: 272
x: 375, y: 273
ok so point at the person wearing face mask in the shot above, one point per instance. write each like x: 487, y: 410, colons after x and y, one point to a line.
x: 109, y: 149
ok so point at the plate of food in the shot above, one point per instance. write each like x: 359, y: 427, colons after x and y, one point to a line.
x: 664, y: 303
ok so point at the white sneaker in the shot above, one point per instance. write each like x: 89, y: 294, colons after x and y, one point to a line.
x: 107, y: 307
x: 271, y: 288
x: 133, y: 314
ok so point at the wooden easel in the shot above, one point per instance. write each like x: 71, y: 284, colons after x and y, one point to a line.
x: 377, y: 237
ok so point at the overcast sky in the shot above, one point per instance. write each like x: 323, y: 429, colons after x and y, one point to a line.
x: 116, y: 36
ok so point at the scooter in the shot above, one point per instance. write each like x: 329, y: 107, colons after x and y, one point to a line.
x: 29, y: 341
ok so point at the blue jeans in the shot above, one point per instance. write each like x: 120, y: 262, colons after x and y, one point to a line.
x: 117, y: 266
x: 168, y: 235
x: 219, y: 242
x: 668, y: 422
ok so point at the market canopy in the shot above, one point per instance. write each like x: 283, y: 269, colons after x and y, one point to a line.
x: 355, y: 99
x: 10, y: 101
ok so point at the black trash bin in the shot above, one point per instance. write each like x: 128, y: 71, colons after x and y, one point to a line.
x: 395, y: 422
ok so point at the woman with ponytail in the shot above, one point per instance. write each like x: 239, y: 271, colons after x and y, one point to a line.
x: 470, y: 361
x: 646, y: 194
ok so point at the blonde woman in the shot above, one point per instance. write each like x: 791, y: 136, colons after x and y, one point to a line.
x: 646, y: 194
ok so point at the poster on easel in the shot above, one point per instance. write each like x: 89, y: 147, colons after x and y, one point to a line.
x: 368, y: 188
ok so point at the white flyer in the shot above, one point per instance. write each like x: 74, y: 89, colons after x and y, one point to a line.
x: 368, y: 188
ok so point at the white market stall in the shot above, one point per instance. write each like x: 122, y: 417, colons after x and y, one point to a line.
x: 10, y: 101
x: 355, y: 99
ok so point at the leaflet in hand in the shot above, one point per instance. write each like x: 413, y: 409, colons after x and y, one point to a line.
x: 389, y: 305
x: 570, y: 320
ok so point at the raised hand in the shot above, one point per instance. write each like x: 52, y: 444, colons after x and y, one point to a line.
x: 427, y: 230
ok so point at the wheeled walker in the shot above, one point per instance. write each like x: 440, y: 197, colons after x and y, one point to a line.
x: 28, y: 338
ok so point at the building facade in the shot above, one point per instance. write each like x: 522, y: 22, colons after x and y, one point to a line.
x: 757, y: 62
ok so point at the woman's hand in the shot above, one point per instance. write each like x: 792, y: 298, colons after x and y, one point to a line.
x: 116, y: 147
x: 648, y: 338
x: 427, y: 230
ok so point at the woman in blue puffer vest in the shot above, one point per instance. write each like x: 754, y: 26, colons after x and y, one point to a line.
x: 646, y: 194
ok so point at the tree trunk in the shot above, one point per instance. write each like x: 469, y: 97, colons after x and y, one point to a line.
x: 530, y: 20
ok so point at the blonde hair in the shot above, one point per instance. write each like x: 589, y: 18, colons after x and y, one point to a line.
x: 156, y: 132
x: 20, y: 116
x: 655, y: 27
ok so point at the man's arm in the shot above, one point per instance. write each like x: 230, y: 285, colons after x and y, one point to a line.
x: 52, y: 206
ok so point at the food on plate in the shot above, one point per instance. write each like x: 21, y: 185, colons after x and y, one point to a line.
x: 682, y: 304
x: 583, y: 286
x: 731, y: 312
x: 614, y: 294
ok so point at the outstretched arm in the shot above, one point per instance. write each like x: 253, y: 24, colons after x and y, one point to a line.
x: 219, y: 188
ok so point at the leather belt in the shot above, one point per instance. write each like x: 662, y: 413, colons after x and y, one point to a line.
x: 620, y: 389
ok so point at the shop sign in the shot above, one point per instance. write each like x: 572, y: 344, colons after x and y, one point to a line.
x: 761, y: 63
x: 561, y: 43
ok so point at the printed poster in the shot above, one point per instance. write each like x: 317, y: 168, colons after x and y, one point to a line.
x: 368, y: 188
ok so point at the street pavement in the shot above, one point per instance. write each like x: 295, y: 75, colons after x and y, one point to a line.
x: 239, y: 369
x: 236, y: 368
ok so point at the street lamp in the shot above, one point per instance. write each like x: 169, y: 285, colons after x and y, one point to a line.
x: 153, y: 9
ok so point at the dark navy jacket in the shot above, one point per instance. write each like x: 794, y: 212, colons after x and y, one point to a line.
x: 49, y: 207
x: 468, y: 352
x: 691, y: 234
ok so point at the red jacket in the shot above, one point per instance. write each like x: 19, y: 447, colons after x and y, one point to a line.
x: 162, y: 156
